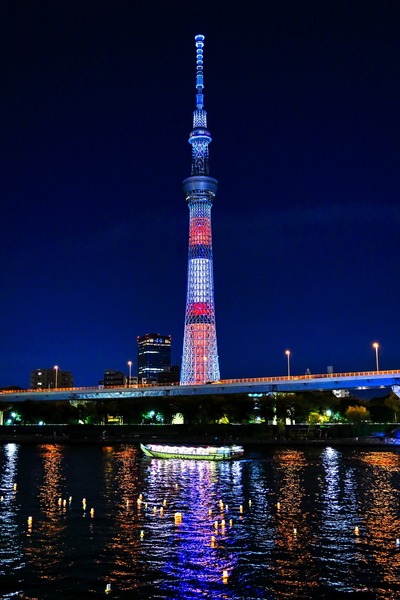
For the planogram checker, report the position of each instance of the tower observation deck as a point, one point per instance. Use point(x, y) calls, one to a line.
point(200, 355)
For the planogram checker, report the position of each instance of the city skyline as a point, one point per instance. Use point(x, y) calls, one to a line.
point(302, 104)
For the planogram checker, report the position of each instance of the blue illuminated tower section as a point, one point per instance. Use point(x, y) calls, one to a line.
point(200, 354)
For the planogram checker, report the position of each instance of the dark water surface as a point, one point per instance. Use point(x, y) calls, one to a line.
point(291, 523)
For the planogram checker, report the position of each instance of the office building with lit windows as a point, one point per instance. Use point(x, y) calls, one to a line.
point(154, 356)
point(46, 379)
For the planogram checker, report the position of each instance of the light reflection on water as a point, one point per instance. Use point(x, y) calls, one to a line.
point(291, 523)
point(10, 545)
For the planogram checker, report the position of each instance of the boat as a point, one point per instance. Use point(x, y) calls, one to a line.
point(192, 452)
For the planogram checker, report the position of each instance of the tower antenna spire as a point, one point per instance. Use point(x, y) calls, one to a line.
point(200, 356)
point(199, 39)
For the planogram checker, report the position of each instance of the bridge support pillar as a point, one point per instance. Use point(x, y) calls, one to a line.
point(396, 390)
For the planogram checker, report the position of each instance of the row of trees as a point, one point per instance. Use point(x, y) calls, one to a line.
point(309, 407)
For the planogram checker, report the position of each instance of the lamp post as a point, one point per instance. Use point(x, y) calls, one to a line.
point(130, 372)
point(56, 378)
point(287, 352)
point(376, 346)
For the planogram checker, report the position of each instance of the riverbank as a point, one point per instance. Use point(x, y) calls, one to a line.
point(252, 436)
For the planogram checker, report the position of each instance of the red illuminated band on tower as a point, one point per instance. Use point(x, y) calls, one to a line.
point(200, 355)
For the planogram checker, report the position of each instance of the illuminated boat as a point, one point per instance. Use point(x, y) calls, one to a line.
point(192, 452)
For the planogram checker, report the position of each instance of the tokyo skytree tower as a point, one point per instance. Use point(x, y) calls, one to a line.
point(200, 354)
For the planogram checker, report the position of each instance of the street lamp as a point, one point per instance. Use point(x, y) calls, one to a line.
point(376, 346)
point(287, 352)
point(130, 372)
point(56, 370)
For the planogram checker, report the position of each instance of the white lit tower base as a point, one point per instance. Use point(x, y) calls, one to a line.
point(200, 354)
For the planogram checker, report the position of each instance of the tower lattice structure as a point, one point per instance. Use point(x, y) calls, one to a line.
point(200, 355)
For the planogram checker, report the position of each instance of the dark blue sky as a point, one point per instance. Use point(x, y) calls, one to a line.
point(96, 106)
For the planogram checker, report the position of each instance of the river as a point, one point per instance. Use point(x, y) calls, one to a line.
point(81, 521)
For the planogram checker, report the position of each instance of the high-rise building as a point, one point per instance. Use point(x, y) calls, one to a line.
point(200, 355)
point(45, 379)
point(154, 356)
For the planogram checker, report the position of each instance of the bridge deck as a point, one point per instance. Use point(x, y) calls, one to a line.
point(262, 385)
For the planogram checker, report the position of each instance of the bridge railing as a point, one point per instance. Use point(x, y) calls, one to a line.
point(351, 374)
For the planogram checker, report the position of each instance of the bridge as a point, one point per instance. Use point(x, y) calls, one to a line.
point(263, 385)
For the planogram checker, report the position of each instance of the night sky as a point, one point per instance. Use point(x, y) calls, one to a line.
point(96, 106)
